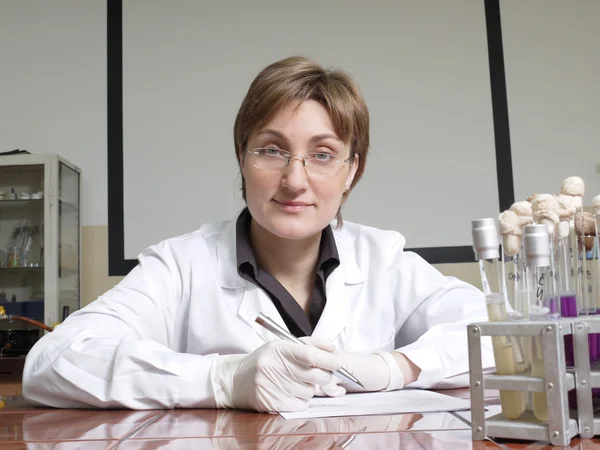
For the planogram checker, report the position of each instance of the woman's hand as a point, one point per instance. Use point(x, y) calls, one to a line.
point(377, 371)
point(279, 376)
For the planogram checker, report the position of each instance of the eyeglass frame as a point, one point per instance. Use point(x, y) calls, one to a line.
point(291, 156)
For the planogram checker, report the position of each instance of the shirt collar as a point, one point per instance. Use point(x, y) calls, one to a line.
point(327, 261)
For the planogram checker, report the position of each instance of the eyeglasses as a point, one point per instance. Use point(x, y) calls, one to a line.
point(319, 163)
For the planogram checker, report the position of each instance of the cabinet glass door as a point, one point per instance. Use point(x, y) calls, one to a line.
point(68, 241)
point(21, 254)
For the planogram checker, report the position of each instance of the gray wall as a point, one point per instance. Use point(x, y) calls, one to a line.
point(422, 65)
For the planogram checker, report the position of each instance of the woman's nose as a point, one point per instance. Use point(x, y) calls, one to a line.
point(295, 177)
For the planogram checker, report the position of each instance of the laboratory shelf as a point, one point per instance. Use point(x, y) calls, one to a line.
point(18, 204)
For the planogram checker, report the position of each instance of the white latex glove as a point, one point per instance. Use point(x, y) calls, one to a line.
point(279, 376)
point(332, 389)
point(377, 372)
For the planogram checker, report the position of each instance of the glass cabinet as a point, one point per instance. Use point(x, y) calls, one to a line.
point(40, 245)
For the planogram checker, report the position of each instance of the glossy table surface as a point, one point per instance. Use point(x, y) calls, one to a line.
point(23, 426)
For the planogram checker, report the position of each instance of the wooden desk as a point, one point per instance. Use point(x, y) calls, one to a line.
point(11, 372)
point(10, 385)
point(25, 427)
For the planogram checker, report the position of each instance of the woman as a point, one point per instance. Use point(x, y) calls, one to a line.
point(180, 329)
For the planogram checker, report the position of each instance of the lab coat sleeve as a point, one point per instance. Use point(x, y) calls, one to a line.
point(115, 352)
point(434, 336)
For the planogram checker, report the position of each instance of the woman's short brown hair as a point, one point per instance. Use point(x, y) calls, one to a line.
point(299, 79)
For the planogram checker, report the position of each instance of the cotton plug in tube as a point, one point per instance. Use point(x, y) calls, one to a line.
point(575, 187)
point(566, 211)
point(524, 211)
point(511, 231)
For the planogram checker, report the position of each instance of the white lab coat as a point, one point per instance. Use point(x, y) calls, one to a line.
point(151, 340)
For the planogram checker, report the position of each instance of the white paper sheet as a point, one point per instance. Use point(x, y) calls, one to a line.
point(395, 402)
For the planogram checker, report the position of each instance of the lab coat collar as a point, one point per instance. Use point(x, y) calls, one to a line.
point(352, 274)
point(338, 290)
point(227, 258)
point(253, 300)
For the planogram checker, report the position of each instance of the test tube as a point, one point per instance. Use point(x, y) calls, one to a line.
point(596, 270)
point(554, 300)
point(545, 209)
point(486, 247)
point(572, 190)
point(524, 213)
point(539, 399)
point(596, 262)
point(584, 226)
point(568, 299)
point(513, 283)
point(591, 257)
point(538, 261)
point(511, 232)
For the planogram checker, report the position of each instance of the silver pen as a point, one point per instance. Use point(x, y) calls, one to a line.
point(282, 333)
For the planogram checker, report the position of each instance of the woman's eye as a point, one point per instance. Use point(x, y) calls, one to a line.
point(322, 156)
point(271, 151)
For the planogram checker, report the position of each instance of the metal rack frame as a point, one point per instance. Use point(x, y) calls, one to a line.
point(557, 382)
point(588, 378)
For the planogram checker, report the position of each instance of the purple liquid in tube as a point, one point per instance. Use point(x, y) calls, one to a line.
point(593, 343)
point(597, 336)
point(568, 308)
point(596, 391)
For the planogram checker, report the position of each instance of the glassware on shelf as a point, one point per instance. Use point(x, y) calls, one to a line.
point(25, 246)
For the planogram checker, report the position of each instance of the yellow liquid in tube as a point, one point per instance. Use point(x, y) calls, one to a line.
point(512, 402)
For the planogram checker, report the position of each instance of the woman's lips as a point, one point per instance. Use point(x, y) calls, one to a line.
point(292, 206)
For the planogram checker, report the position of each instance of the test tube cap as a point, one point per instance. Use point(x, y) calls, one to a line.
point(485, 238)
point(536, 245)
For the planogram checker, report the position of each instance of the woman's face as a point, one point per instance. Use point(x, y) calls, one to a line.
point(293, 202)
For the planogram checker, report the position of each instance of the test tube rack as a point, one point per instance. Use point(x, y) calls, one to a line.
point(563, 424)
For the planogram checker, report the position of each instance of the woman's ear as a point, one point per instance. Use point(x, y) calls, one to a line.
point(351, 172)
